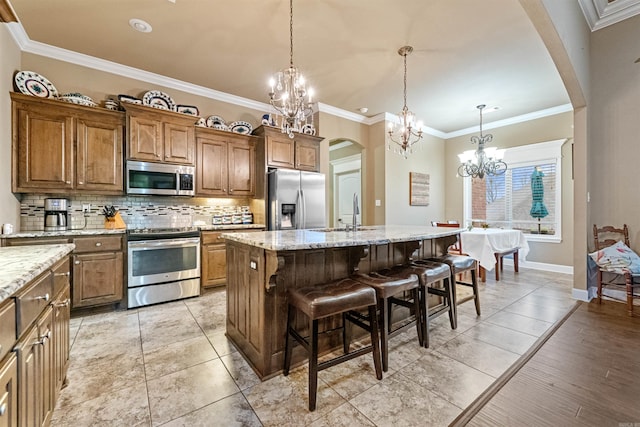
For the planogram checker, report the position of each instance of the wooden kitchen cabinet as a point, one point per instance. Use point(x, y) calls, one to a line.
point(226, 164)
point(301, 152)
point(214, 259)
point(65, 148)
point(160, 136)
point(98, 268)
point(9, 391)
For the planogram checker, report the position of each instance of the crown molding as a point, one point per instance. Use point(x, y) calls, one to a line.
point(600, 13)
point(512, 120)
point(27, 45)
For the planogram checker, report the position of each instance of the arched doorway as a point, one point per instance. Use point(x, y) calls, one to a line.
point(345, 180)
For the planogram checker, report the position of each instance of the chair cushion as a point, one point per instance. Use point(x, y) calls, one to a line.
point(332, 298)
point(432, 271)
point(617, 258)
point(458, 263)
point(389, 282)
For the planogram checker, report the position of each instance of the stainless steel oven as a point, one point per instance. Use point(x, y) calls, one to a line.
point(163, 265)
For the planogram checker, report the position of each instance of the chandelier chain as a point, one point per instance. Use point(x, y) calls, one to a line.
point(405, 81)
point(291, 33)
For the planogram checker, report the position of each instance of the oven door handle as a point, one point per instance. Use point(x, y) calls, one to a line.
point(164, 243)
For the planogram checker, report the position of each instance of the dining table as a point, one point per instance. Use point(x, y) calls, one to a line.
point(483, 244)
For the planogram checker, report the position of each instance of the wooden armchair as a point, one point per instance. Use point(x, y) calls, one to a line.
point(607, 236)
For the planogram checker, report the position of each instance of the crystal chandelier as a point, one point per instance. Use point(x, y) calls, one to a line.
point(405, 133)
point(483, 161)
point(288, 92)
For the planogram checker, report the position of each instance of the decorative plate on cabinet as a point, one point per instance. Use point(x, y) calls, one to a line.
point(216, 120)
point(188, 109)
point(157, 99)
point(241, 127)
point(130, 99)
point(31, 83)
point(308, 129)
point(78, 98)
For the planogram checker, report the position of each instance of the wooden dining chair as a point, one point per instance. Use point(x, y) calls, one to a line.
point(604, 237)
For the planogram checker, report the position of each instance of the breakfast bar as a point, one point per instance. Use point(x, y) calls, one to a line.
point(261, 266)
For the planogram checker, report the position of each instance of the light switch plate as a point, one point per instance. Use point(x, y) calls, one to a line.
point(378, 202)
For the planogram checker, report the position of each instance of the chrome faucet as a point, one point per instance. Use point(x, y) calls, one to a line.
point(356, 211)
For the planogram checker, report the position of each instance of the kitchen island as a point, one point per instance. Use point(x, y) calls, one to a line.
point(261, 266)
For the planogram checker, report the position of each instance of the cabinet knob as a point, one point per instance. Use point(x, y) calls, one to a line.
point(98, 244)
point(3, 409)
point(67, 182)
point(80, 182)
point(44, 338)
point(44, 297)
point(77, 262)
point(64, 303)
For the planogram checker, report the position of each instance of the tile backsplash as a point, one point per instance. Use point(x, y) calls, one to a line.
point(136, 211)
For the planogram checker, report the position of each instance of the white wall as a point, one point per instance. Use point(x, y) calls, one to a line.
point(9, 64)
point(427, 159)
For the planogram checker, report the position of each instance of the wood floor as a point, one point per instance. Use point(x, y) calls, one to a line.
point(586, 374)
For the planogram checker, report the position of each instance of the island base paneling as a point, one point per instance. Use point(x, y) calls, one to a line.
point(257, 283)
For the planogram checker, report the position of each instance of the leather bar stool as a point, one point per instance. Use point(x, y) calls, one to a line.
point(389, 285)
point(431, 273)
point(460, 264)
point(317, 302)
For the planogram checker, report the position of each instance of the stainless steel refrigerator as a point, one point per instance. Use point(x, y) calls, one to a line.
point(296, 200)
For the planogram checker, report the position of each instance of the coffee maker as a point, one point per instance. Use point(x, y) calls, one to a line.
point(55, 214)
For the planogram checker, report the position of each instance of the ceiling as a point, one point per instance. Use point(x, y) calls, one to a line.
point(466, 52)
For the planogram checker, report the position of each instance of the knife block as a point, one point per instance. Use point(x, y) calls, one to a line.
point(115, 222)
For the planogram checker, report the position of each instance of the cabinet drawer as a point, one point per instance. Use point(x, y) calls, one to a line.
point(7, 327)
point(97, 244)
point(213, 237)
point(33, 299)
point(61, 274)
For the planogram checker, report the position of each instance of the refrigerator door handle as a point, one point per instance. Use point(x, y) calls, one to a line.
point(304, 209)
point(299, 210)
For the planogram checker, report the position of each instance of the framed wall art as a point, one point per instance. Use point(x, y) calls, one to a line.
point(418, 189)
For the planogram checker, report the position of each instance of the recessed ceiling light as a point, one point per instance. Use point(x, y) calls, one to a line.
point(140, 25)
point(363, 109)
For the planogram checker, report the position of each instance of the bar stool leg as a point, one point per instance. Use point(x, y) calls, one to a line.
point(288, 347)
point(384, 332)
point(375, 341)
point(452, 303)
point(313, 366)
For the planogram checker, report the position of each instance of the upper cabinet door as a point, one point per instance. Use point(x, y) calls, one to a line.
point(307, 155)
point(145, 139)
point(211, 171)
point(242, 168)
point(280, 151)
point(42, 148)
point(99, 155)
point(179, 144)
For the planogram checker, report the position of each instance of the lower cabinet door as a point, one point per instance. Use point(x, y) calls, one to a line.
point(214, 265)
point(60, 339)
point(9, 392)
point(46, 339)
point(97, 278)
point(30, 378)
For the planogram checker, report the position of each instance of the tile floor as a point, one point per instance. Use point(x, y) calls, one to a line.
point(172, 365)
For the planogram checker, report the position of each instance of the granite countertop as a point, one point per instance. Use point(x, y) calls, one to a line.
point(40, 233)
point(230, 227)
point(102, 231)
point(329, 238)
point(21, 264)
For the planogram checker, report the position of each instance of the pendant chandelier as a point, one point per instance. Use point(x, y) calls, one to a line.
point(484, 160)
point(289, 95)
point(407, 132)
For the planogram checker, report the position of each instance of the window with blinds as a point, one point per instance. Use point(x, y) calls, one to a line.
point(527, 197)
point(507, 200)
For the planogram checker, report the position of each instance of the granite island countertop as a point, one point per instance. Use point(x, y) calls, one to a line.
point(21, 264)
point(286, 240)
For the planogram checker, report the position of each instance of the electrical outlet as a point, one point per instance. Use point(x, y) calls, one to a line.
point(86, 207)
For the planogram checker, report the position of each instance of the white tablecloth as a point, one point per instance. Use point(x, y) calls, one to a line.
point(482, 243)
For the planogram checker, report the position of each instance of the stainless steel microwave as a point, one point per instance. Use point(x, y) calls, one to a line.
point(160, 179)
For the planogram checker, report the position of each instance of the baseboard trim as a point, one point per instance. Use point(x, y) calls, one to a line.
point(580, 294)
point(556, 268)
